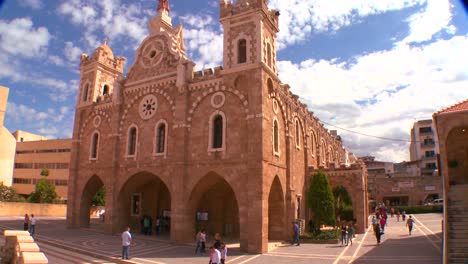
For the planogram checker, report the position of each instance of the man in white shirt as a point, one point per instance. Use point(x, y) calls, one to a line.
point(32, 226)
point(126, 241)
point(216, 256)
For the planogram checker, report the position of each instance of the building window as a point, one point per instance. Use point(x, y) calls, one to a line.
point(312, 143)
point(85, 93)
point(297, 135)
point(132, 141)
point(94, 146)
point(161, 137)
point(242, 51)
point(217, 132)
point(424, 130)
point(269, 55)
point(136, 204)
point(105, 90)
point(275, 137)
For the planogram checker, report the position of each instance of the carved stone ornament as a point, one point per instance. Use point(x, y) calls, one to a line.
point(153, 53)
point(218, 99)
point(148, 107)
point(275, 106)
point(97, 121)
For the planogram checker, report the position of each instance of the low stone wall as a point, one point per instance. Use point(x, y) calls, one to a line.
point(19, 209)
point(53, 210)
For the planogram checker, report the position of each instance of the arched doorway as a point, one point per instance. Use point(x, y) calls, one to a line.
point(145, 195)
point(92, 187)
point(213, 206)
point(276, 221)
point(457, 155)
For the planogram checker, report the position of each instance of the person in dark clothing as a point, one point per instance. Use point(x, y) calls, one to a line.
point(296, 234)
point(377, 233)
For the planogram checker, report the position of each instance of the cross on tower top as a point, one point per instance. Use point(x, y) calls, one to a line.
point(163, 5)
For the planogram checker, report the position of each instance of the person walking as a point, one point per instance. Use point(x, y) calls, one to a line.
point(215, 256)
point(296, 234)
point(203, 241)
point(32, 226)
point(392, 212)
point(377, 233)
point(158, 222)
point(383, 222)
point(350, 234)
point(223, 252)
point(398, 216)
point(409, 224)
point(403, 215)
point(126, 241)
point(26, 222)
point(344, 230)
point(198, 241)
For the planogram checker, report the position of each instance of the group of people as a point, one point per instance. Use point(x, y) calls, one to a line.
point(161, 224)
point(30, 224)
point(379, 220)
point(218, 252)
point(347, 234)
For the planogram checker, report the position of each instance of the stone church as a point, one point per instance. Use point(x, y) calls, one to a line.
point(228, 149)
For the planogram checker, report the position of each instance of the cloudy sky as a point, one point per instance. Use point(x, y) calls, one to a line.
point(369, 66)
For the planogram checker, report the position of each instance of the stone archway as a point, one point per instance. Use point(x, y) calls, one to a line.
point(213, 206)
point(90, 189)
point(144, 194)
point(276, 221)
point(457, 155)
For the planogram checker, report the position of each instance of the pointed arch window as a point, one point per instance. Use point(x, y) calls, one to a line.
point(269, 55)
point(161, 138)
point(85, 93)
point(275, 137)
point(105, 90)
point(242, 51)
point(217, 126)
point(313, 147)
point(132, 141)
point(297, 134)
point(94, 146)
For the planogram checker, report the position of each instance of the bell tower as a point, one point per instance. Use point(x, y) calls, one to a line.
point(250, 30)
point(98, 76)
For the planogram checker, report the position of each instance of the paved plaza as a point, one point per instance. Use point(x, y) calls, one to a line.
point(62, 245)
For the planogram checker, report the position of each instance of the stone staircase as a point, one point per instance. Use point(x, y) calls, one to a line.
point(458, 224)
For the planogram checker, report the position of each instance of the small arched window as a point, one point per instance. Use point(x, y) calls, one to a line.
point(85, 93)
point(297, 134)
point(269, 55)
point(94, 146)
point(242, 51)
point(132, 141)
point(313, 141)
point(275, 136)
point(217, 132)
point(161, 138)
point(105, 90)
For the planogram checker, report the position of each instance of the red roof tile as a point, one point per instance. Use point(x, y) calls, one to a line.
point(462, 106)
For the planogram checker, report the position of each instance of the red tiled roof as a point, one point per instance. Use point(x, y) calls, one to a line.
point(462, 106)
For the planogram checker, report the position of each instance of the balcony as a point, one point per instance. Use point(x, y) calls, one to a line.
point(426, 132)
point(428, 144)
point(428, 157)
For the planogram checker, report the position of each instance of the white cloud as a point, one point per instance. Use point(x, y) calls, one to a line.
point(71, 52)
point(382, 93)
point(435, 17)
point(205, 46)
point(300, 18)
point(34, 4)
point(19, 37)
point(56, 60)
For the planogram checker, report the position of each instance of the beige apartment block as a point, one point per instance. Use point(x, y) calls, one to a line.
point(452, 131)
point(7, 143)
point(33, 156)
point(228, 149)
point(424, 146)
point(23, 136)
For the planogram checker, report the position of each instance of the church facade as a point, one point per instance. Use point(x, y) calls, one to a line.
point(227, 149)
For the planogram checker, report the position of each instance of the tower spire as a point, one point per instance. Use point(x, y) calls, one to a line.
point(163, 5)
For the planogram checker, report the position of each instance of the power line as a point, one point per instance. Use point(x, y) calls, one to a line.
point(373, 136)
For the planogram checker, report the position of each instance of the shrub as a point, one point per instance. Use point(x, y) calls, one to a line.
point(420, 209)
point(323, 235)
point(320, 199)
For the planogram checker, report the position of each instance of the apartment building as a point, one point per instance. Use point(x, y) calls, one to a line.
point(7, 143)
point(424, 146)
point(34, 155)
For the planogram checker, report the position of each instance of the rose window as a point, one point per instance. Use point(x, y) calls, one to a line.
point(148, 106)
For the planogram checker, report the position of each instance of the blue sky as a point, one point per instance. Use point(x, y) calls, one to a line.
point(370, 66)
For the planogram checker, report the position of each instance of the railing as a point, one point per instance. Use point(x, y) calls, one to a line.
point(426, 133)
point(424, 157)
point(427, 144)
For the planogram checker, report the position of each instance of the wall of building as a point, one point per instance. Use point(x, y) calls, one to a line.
point(19, 209)
point(23, 136)
point(32, 156)
point(7, 143)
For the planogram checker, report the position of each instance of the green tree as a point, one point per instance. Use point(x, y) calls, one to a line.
point(8, 194)
point(45, 172)
point(99, 198)
point(343, 203)
point(44, 193)
point(320, 200)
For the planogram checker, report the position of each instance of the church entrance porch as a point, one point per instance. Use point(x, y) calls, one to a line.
point(213, 206)
point(144, 204)
point(92, 187)
point(276, 215)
